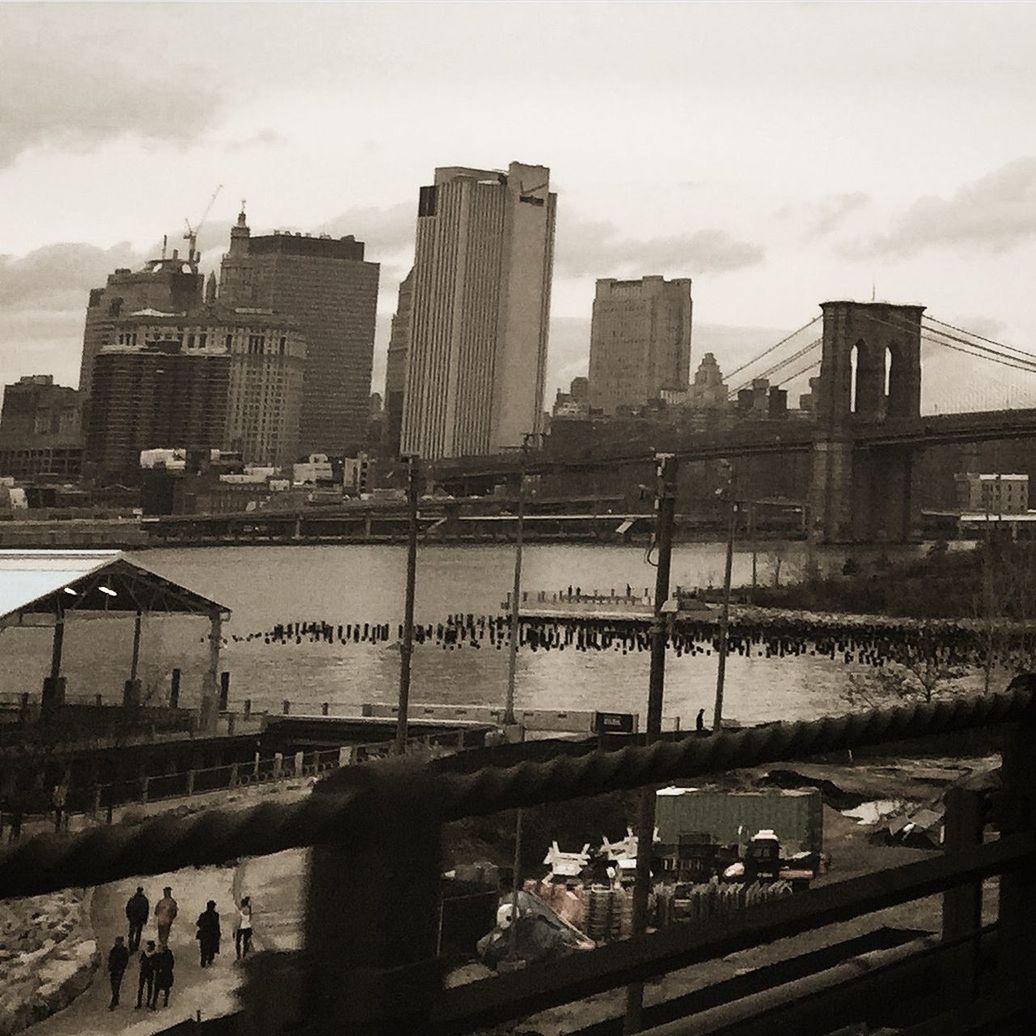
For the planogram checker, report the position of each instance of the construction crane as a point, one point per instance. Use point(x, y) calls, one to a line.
point(191, 234)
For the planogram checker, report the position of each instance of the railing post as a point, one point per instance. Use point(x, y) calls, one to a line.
point(190, 782)
point(233, 775)
point(248, 708)
point(144, 788)
point(1016, 959)
point(379, 974)
point(962, 906)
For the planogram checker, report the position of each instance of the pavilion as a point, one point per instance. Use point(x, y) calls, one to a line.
point(51, 587)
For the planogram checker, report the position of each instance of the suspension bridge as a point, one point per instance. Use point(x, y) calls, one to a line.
point(865, 429)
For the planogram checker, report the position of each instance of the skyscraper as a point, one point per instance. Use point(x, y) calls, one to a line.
point(167, 285)
point(481, 301)
point(327, 286)
point(640, 341)
point(395, 368)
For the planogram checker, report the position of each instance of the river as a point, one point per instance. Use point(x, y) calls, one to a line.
point(342, 584)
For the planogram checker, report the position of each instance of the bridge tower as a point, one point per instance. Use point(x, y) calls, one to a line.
point(870, 375)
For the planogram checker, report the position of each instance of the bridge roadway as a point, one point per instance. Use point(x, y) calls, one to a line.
point(794, 437)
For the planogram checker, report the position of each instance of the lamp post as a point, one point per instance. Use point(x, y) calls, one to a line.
point(724, 619)
point(406, 648)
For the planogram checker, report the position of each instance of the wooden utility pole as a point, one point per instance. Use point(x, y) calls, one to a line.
point(516, 589)
point(665, 506)
point(724, 618)
point(406, 648)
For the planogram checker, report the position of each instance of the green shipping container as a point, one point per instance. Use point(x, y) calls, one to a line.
point(797, 816)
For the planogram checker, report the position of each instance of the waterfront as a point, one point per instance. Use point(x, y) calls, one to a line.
point(268, 585)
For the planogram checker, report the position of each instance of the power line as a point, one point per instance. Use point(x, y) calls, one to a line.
point(766, 352)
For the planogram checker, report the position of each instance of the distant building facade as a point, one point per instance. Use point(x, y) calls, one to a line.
point(395, 368)
point(167, 285)
point(573, 403)
point(992, 494)
point(708, 391)
point(477, 356)
point(40, 429)
point(326, 285)
point(640, 341)
point(157, 392)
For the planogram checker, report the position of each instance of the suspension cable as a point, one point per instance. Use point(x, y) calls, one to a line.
point(974, 334)
point(766, 352)
point(777, 366)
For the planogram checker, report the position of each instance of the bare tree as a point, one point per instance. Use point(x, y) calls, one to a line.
point(901, 683)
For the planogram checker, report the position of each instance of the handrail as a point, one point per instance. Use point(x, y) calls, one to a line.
point(46, 863)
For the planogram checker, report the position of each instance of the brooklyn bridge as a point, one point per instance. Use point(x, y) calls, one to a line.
point(859, 460)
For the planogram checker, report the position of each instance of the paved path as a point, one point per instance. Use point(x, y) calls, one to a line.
point(210, 990)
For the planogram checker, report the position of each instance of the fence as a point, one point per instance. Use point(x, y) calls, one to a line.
point(377, 974)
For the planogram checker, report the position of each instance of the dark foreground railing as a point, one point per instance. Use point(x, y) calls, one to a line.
point(369, 963)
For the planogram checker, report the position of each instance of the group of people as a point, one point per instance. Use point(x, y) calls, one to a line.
point(156, 961)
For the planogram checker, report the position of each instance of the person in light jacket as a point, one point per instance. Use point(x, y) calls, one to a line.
point(165, 915)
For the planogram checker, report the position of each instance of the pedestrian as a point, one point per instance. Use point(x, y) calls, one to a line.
point(165, 915)
point(243, 935)
point(58, 798)
point(137, 910)
point(118, 961)
point(699, 723)
point(629, 591)
point(146, 980)
point(163, 975)
point(208, 933)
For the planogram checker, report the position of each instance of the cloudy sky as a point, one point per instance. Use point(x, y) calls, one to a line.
point(779, 154)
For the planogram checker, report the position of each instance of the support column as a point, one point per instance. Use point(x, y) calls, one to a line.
point(54, 685)
point(131, 689)
point(831, 492)
point(209, 700)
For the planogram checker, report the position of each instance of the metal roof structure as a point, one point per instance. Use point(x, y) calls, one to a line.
point(52, 582)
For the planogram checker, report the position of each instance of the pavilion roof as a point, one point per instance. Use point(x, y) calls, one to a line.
point(43, 582)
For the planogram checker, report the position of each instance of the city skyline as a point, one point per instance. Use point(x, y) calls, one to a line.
point(734, 167)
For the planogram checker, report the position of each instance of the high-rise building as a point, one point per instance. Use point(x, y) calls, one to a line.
point(395, 368)
point(167, 285)
point(40, 429)
point(326, 285)
point(640, 341)
point(708, 391)
point(157, 392)
point(477, 355)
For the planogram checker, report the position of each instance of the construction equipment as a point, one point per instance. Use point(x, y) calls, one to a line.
point(191, 234)
point(762, 861)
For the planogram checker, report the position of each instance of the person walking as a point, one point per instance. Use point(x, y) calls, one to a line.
point(208, 933)
point(137, 910)
point(58, 798)
point(699, 723)
point(243, 935)
point(165, 915)
point(146, 980)
point(163, 975)
point(118, 962)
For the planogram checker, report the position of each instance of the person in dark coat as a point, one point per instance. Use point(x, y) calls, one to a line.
point(208, 933)
point(118, 962)
point(699, 723)
point(146, 981)
point(137, 910)
point(163, 975)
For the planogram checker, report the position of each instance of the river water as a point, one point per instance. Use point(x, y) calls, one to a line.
point(267, 585)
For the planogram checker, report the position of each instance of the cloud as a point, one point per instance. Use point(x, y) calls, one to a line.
point(598, 248)
point(993, 214)
point(832, 211)
point(59, 276)
point(386, 231)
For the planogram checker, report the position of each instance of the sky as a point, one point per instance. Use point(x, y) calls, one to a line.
point(778, 154)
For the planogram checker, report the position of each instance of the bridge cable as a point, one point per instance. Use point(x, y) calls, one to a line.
point(973, 334)
point(777, 366)
point(766, 352)
point(1028, 357)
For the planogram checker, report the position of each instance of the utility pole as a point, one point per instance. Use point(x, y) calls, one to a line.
point(724, 619)
point(406, 649)
point(665, 507)
point(516, 588)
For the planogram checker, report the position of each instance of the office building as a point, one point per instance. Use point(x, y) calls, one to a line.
point(167, 285)
point(640, 341)
point(481, 302)
point(328, 287)
point(40, 429)
point(993, 494)
point(154, 392)
point(395, 368)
